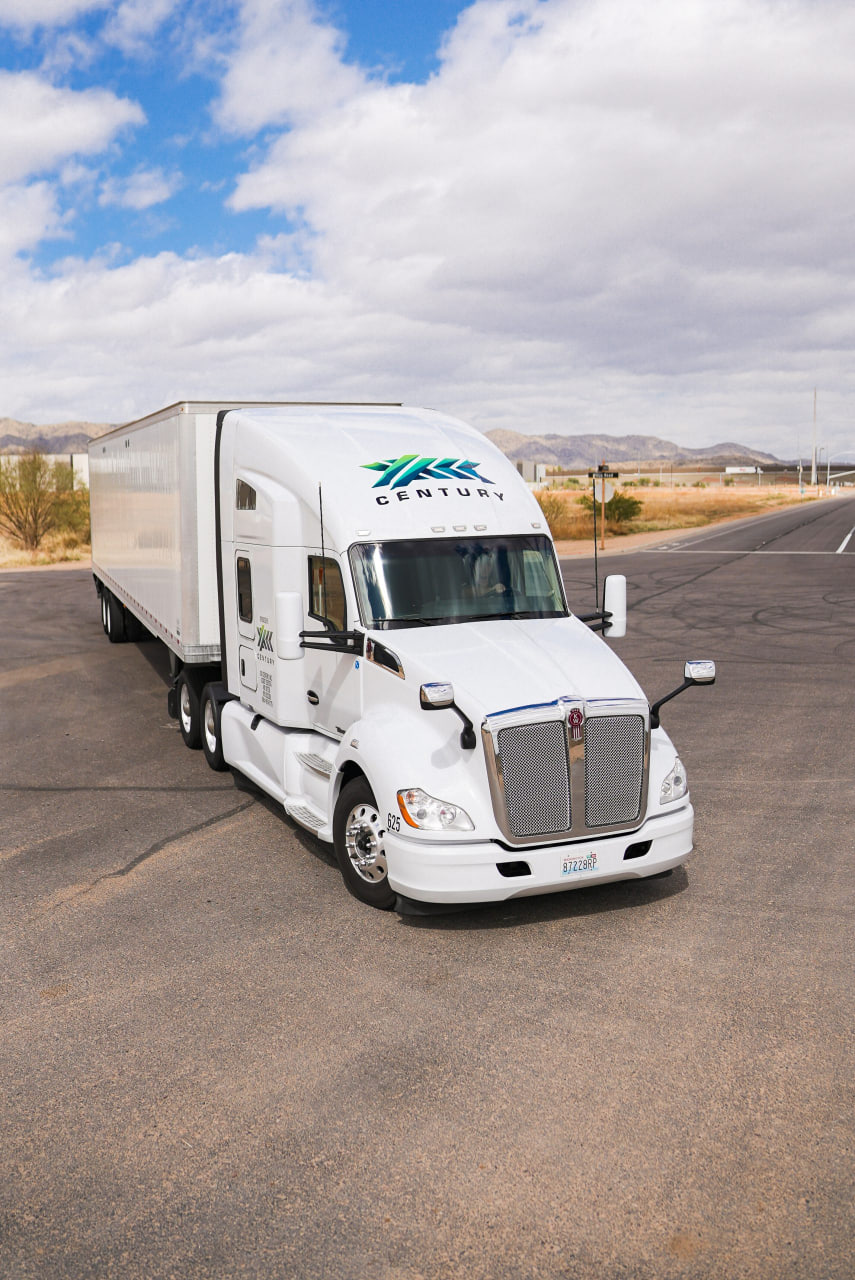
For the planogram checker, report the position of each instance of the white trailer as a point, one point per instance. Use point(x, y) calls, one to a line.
point(324, 576)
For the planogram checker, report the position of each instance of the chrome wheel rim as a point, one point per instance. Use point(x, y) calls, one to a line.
point(210, 725)
point(184, 708)
point(363, 840)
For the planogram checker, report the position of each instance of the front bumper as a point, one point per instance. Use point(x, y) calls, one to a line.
point(470, 872)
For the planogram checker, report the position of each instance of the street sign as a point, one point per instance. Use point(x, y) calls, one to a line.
point(599, 485)
point(603, 475)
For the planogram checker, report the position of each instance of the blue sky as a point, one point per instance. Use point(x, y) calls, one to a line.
point(543, 215)
point(394, 42)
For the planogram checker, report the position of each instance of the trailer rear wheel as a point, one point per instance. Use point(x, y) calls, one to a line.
point(113, 618)
point(212, 741)
point(358, 838)
point(188, 713)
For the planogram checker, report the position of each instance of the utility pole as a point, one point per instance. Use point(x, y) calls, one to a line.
point(813, 457)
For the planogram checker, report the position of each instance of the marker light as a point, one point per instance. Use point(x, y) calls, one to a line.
point(426, 813)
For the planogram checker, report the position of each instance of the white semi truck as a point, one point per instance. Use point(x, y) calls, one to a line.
point(366, 618)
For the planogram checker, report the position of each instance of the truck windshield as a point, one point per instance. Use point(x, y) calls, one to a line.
point(430, 582)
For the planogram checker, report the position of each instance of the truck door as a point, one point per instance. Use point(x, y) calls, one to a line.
point(247, 666)
point(333, 680)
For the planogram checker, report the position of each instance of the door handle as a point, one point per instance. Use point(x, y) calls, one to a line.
point(313, 697)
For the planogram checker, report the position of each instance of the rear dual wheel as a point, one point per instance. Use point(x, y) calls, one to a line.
point(211, 722)
point(189, 720)
point(113, 618)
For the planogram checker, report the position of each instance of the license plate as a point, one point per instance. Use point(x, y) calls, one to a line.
point(572, 865)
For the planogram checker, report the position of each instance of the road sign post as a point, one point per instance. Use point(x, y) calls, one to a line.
point(603, 493)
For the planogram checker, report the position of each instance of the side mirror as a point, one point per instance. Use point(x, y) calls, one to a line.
point(697, 671)
point(614, 603)
point(439, 696)
point(288, 609)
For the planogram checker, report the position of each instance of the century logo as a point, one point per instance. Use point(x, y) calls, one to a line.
point(399, 472)
point(265, 639)
point(396, 474)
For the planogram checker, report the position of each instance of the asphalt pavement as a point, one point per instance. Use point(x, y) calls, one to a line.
point(216, 1063)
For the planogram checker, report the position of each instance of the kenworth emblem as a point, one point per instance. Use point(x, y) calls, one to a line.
point(399, 472)
point(575, 720)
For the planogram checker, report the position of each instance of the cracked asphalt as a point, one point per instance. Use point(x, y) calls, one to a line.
point(215, 1063)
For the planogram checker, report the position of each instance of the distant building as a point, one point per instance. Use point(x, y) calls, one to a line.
point(532, 472)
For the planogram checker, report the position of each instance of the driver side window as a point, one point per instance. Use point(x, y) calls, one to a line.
point(326, 593)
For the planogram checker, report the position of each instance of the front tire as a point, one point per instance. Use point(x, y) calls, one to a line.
point(211, 729)
point(359, 842)
point(188, 713)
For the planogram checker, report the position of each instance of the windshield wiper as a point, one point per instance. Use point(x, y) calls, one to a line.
point(412, 619)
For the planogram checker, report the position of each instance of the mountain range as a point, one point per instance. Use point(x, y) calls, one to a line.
point(60, 437)
point(572, 452)
point(581, 452)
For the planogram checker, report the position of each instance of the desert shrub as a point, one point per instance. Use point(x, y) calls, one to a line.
point(699, 484)
point(556, 512)
point(621, 509)
point(36, 498)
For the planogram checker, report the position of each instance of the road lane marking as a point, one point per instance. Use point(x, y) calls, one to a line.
point(844, 543)
point(687, 551)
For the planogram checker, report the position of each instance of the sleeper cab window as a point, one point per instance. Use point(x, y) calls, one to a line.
point(245, 496)
point(244, 589)
point(326, 593)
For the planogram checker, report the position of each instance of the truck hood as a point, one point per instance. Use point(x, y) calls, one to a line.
point(500, 664)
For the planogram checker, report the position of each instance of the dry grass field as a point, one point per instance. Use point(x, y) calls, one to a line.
point(57, 548)
point(665, 508)
point(662, 509)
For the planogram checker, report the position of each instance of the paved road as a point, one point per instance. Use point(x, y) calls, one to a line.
point(216, 1063)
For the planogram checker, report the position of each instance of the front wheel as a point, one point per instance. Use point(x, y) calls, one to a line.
point(359, 841)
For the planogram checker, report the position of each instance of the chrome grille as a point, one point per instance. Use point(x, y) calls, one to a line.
point(549, 781)
point(537, 781)
point(614, 769)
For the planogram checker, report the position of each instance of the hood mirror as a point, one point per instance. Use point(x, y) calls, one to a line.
point(696, 671)
point(438, 696)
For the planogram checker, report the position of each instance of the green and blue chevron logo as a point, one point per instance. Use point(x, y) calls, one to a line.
point(399, 472)
point(265, 638)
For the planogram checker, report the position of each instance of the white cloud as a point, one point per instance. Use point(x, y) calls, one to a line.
point(653, 192)
point(32, 13)
point(144, 188)
point(134, 23)
point(28, 215)
point(596, 215)
point(41, 125)
point(287, 67)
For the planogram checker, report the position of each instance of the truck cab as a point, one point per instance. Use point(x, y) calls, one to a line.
point(401, 671)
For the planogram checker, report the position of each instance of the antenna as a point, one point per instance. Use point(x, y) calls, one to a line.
point(323, 583)
point(596, 576)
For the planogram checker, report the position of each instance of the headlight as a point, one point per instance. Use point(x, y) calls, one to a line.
point(426, 813)
point(675, 785)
